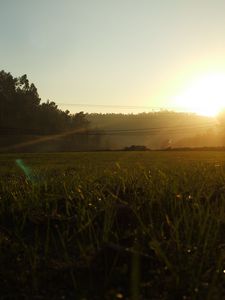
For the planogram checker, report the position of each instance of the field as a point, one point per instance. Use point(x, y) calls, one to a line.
point(112, 225)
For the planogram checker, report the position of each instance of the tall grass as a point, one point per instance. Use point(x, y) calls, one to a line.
point(122, 230)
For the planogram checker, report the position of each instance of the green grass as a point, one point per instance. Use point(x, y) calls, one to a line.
point(113, 225)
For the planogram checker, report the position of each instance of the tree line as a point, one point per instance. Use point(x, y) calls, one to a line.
point(21, 110)
point(23, 116)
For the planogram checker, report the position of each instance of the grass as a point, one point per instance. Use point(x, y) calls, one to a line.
point(113, 225)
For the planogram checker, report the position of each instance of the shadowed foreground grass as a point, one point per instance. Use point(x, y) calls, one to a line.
point(113, 226)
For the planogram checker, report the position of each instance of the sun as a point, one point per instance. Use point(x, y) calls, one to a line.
point(205, 94)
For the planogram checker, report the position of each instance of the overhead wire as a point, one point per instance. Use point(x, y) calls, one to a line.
point(172, 109)
point(148, 131)
point(100, 132)
point(105, 131)
point(112, 106)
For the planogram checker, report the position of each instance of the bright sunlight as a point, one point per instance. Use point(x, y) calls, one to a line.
point(204, 95)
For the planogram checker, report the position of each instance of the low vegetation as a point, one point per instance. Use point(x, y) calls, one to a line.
point(112, 225)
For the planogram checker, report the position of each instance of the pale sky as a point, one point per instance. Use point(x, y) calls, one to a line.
point(115, 52)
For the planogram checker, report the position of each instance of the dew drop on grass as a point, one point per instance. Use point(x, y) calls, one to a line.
point(217, 165)
point(119, 296)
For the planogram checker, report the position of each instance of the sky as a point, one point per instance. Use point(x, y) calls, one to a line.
point(120, 55)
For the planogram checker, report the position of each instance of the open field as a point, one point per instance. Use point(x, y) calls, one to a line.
point(112, 225)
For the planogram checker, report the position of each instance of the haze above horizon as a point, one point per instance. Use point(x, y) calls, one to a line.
point(109, 54)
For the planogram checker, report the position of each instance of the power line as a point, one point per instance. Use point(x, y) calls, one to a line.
point(118, 106)
point(106, 105)
point(102, 131)
point(145, 133)
point(162, 127)
point(84, 132)
point(132, 129)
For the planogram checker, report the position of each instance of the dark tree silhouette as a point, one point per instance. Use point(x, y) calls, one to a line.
point(22, 113)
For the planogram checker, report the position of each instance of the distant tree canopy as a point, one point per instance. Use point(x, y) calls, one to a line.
point(23, 115)
point(155, 130)
point(21, 110)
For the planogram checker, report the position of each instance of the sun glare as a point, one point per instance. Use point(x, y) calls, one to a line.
point(204, 95)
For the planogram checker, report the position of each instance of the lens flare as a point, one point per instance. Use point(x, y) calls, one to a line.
point(27, 170)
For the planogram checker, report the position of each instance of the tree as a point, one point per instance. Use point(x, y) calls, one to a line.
point(21, 109)
point(7, 96)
